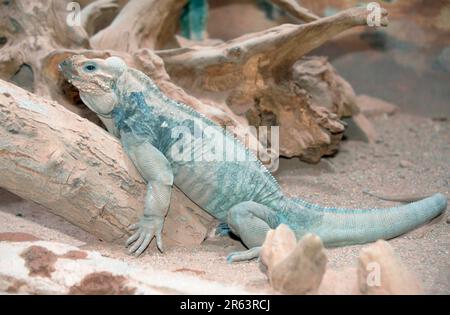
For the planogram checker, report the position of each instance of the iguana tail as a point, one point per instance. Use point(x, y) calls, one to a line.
point(339, 226)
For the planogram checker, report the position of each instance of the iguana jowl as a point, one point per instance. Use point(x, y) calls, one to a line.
point(239, 192)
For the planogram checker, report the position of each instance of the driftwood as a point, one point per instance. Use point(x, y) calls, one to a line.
point(31, 30)
point(94, 14)
point(141, 24)
point(258, 79)
point(296, 10)
point(78, 171)
point(155, 25)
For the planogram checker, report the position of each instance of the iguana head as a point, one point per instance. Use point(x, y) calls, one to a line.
point(95, 79)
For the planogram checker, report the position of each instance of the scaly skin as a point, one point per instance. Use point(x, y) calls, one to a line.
point(239, 192)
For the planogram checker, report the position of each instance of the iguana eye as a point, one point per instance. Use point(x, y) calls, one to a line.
point(90, 67)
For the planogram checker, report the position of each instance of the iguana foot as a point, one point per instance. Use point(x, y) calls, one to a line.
point(147, 228)
point(223, 229)
point(250, 254)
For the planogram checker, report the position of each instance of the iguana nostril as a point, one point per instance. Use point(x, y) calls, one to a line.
point(64, 65)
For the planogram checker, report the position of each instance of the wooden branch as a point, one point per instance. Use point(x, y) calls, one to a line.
point(280, 46)
point(78, 171)
point(94, 11)
point(262, 77)
point(233, 83)
point(296, 10)
point(140, 24)
point(31, 30)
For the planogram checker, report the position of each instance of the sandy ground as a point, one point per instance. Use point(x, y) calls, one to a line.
point(411, 156)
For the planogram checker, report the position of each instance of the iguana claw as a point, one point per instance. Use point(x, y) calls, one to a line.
point(147, 228)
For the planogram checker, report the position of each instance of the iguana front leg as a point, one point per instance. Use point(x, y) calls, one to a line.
point(156, 170)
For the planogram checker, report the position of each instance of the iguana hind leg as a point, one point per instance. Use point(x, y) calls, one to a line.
point(250, 221)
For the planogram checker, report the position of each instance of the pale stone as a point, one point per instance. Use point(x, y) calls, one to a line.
point(381, 272)
point(302, 270)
